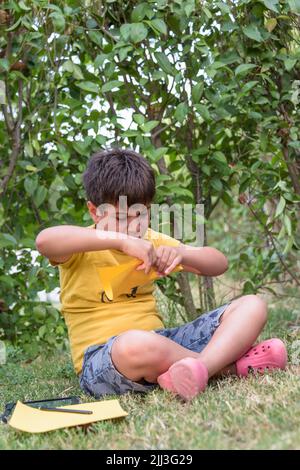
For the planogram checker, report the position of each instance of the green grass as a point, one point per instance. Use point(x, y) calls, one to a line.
point(254, 413)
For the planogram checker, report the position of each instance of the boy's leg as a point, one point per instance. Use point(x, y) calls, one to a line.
point(240, 325)
point(145, 355)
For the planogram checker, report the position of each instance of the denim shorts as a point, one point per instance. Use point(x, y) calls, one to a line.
point(100, 377)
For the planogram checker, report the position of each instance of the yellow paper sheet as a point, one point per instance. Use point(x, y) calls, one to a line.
point(120, 279)
point(29, 419)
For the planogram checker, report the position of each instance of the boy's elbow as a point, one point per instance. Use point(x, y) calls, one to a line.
point(41, 242)
point(220, 266)
point(224, 265)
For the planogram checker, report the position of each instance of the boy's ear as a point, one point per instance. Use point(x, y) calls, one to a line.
point(93, 211)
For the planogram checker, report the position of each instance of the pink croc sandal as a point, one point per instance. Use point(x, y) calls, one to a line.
point(267, 355)
point(186, 377)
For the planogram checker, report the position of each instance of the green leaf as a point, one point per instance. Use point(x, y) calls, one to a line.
point(111, 85)
point(15, 25)
point(138, 118)
point(270, 24)
point(200, 151)
point(294, 5)
point(77, 74)
point(80, 147)
point(220, 157)
point(248, 288)
point(164, 63)
point(100, 59)
point(248, 86)
point(31, 168)
point(295, 144)
point(207, 13)
point(159, 25)
point(255, 115)
point(203, 111)
point(4, 65)
point(30, 185)
point(40, 195)
point(160, 179)
point(131, 133)
point(88, 86)
point(125, 31)
point(280, 207)
point(68, 66)
point(244, 68)
point(42, 331)
point(96, 37)
point(288, 246)
point(197, 91)
point(227, 198)
point(181, 112)
point(7, 240)
point(288, 224)
point(216, 184)
point(148, 126)
point(74, 69)
point(157, 154)
point(58, 21)
point(253, 32)
point(28, 243)
point(24, 7)
point(39, 312)
point(100, 139)
point(271, 5)
point(180, 191)
point(189, 8)
point(289, 64)
point(123, 53)
point(223, 7)
point(138, 32)
point(53, 312)
point(139, 12)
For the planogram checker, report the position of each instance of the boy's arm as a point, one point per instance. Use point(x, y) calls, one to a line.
point(59, 243)
point(199, 260)
point(204, 260)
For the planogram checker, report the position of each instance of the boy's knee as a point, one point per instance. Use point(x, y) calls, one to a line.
point(259, 307)
point(136, 348)
point(252, 305)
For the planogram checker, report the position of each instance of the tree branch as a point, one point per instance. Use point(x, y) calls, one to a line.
point(271, 238)
point(15, 135)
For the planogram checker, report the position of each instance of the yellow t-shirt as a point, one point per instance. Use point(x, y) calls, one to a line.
point(91, 317)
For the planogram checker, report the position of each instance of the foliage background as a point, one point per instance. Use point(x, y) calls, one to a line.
point(208, 91)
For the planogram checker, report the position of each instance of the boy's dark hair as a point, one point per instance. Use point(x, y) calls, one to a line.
point(119, 172)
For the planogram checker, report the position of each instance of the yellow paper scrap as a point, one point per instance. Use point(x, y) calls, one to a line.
point(120, 279)
point(29, 419)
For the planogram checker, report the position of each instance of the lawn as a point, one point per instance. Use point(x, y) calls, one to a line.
point(254, 413)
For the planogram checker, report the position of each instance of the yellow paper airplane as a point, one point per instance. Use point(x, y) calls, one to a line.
point(120, 279)
point(29, 419)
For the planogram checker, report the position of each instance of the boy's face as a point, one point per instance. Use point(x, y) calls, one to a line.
point(133, 220)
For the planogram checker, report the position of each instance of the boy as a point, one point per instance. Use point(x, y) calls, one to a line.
point(122, 345)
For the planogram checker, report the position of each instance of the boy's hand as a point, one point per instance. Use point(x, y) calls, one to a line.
point(167, 258)
point(141, 249)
